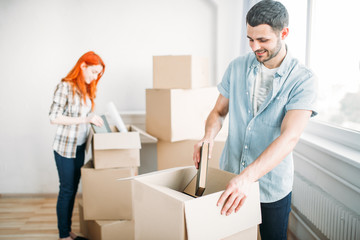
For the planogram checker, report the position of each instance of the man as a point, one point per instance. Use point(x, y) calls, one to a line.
point(269, 97)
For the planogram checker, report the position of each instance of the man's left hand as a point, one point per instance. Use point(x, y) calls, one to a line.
point(234, 195)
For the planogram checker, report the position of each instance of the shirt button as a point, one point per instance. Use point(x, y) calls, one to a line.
point(248, 111)
point(247, 93)
point(249, 128)
point(243, 163)
point(246, 146)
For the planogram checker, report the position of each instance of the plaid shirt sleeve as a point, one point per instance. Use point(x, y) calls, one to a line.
point(60, 100)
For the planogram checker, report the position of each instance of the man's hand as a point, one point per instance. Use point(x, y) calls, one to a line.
point(234, 195)
point(197, 146)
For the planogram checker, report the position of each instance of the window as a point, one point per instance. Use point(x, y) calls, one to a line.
point(333, 54)
point(335, 58)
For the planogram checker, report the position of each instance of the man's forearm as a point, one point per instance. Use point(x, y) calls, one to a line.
point(213, 125)
point(216, 117)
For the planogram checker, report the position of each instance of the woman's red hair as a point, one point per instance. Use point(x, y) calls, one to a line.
point(77, 81)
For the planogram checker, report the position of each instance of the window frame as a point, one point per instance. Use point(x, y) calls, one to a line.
point(345, 137)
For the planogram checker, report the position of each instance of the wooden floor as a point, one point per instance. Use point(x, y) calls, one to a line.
point(31, 218)
point(34, 218)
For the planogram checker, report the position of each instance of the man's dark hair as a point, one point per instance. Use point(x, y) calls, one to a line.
point(268, 12)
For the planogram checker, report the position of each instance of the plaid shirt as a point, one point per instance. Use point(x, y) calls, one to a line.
point(65, 103)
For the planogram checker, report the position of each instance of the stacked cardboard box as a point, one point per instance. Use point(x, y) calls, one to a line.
point(176, 112)
point(177, 108)
point(106, 209)
point(179, 103)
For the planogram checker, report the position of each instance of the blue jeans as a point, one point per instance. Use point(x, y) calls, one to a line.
point(69, 177)
point(275, 218)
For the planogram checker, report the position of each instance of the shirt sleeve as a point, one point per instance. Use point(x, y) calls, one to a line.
point(224, 85)
point(304, 95)
point(60, 100)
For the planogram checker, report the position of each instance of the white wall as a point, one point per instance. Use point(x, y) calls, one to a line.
point(41, 40)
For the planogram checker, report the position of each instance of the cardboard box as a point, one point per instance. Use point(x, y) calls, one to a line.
point(83, 223)
point(177, 114)
point(105, 198)
point(180, 154)
point(111, 230)
point(116, 149)
point(185, 72)
point(162, 211)
point(248, 234)
point(105, 229)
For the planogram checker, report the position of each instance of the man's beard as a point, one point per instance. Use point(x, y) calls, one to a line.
point(273, 53)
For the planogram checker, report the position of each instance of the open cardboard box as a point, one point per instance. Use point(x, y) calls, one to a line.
point(162, 211)
point(117, 149)
point(181, 71)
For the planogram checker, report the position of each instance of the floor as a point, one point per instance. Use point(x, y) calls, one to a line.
point(34, 218)
point(31, 218)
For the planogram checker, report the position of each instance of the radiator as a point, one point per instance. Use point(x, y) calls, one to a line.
point(329, 216)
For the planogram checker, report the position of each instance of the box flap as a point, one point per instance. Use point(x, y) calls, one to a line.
point(117, 140)
point(152, 175)
point(157, 215)
point(173, 178)
point(144, 136)
point(204, 221)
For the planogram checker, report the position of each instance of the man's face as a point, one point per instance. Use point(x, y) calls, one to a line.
point(265, 42)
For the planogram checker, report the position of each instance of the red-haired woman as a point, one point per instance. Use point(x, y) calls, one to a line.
point(72, 102)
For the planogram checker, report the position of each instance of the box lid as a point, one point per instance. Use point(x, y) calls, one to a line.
point(144, 136)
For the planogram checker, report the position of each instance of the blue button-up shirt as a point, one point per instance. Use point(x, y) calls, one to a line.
point(294, 87)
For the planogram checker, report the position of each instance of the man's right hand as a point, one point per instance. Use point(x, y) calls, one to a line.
point(197, 146)
point(212, 127)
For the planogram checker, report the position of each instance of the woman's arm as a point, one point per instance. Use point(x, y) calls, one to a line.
point(65, 120)
point(60, 100)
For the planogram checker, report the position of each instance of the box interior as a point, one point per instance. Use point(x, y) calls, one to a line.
point(176, 181)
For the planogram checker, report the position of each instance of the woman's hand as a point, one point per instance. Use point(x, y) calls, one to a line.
point(95, 119)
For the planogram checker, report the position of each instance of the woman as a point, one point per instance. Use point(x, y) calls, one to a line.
point(72, 102)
